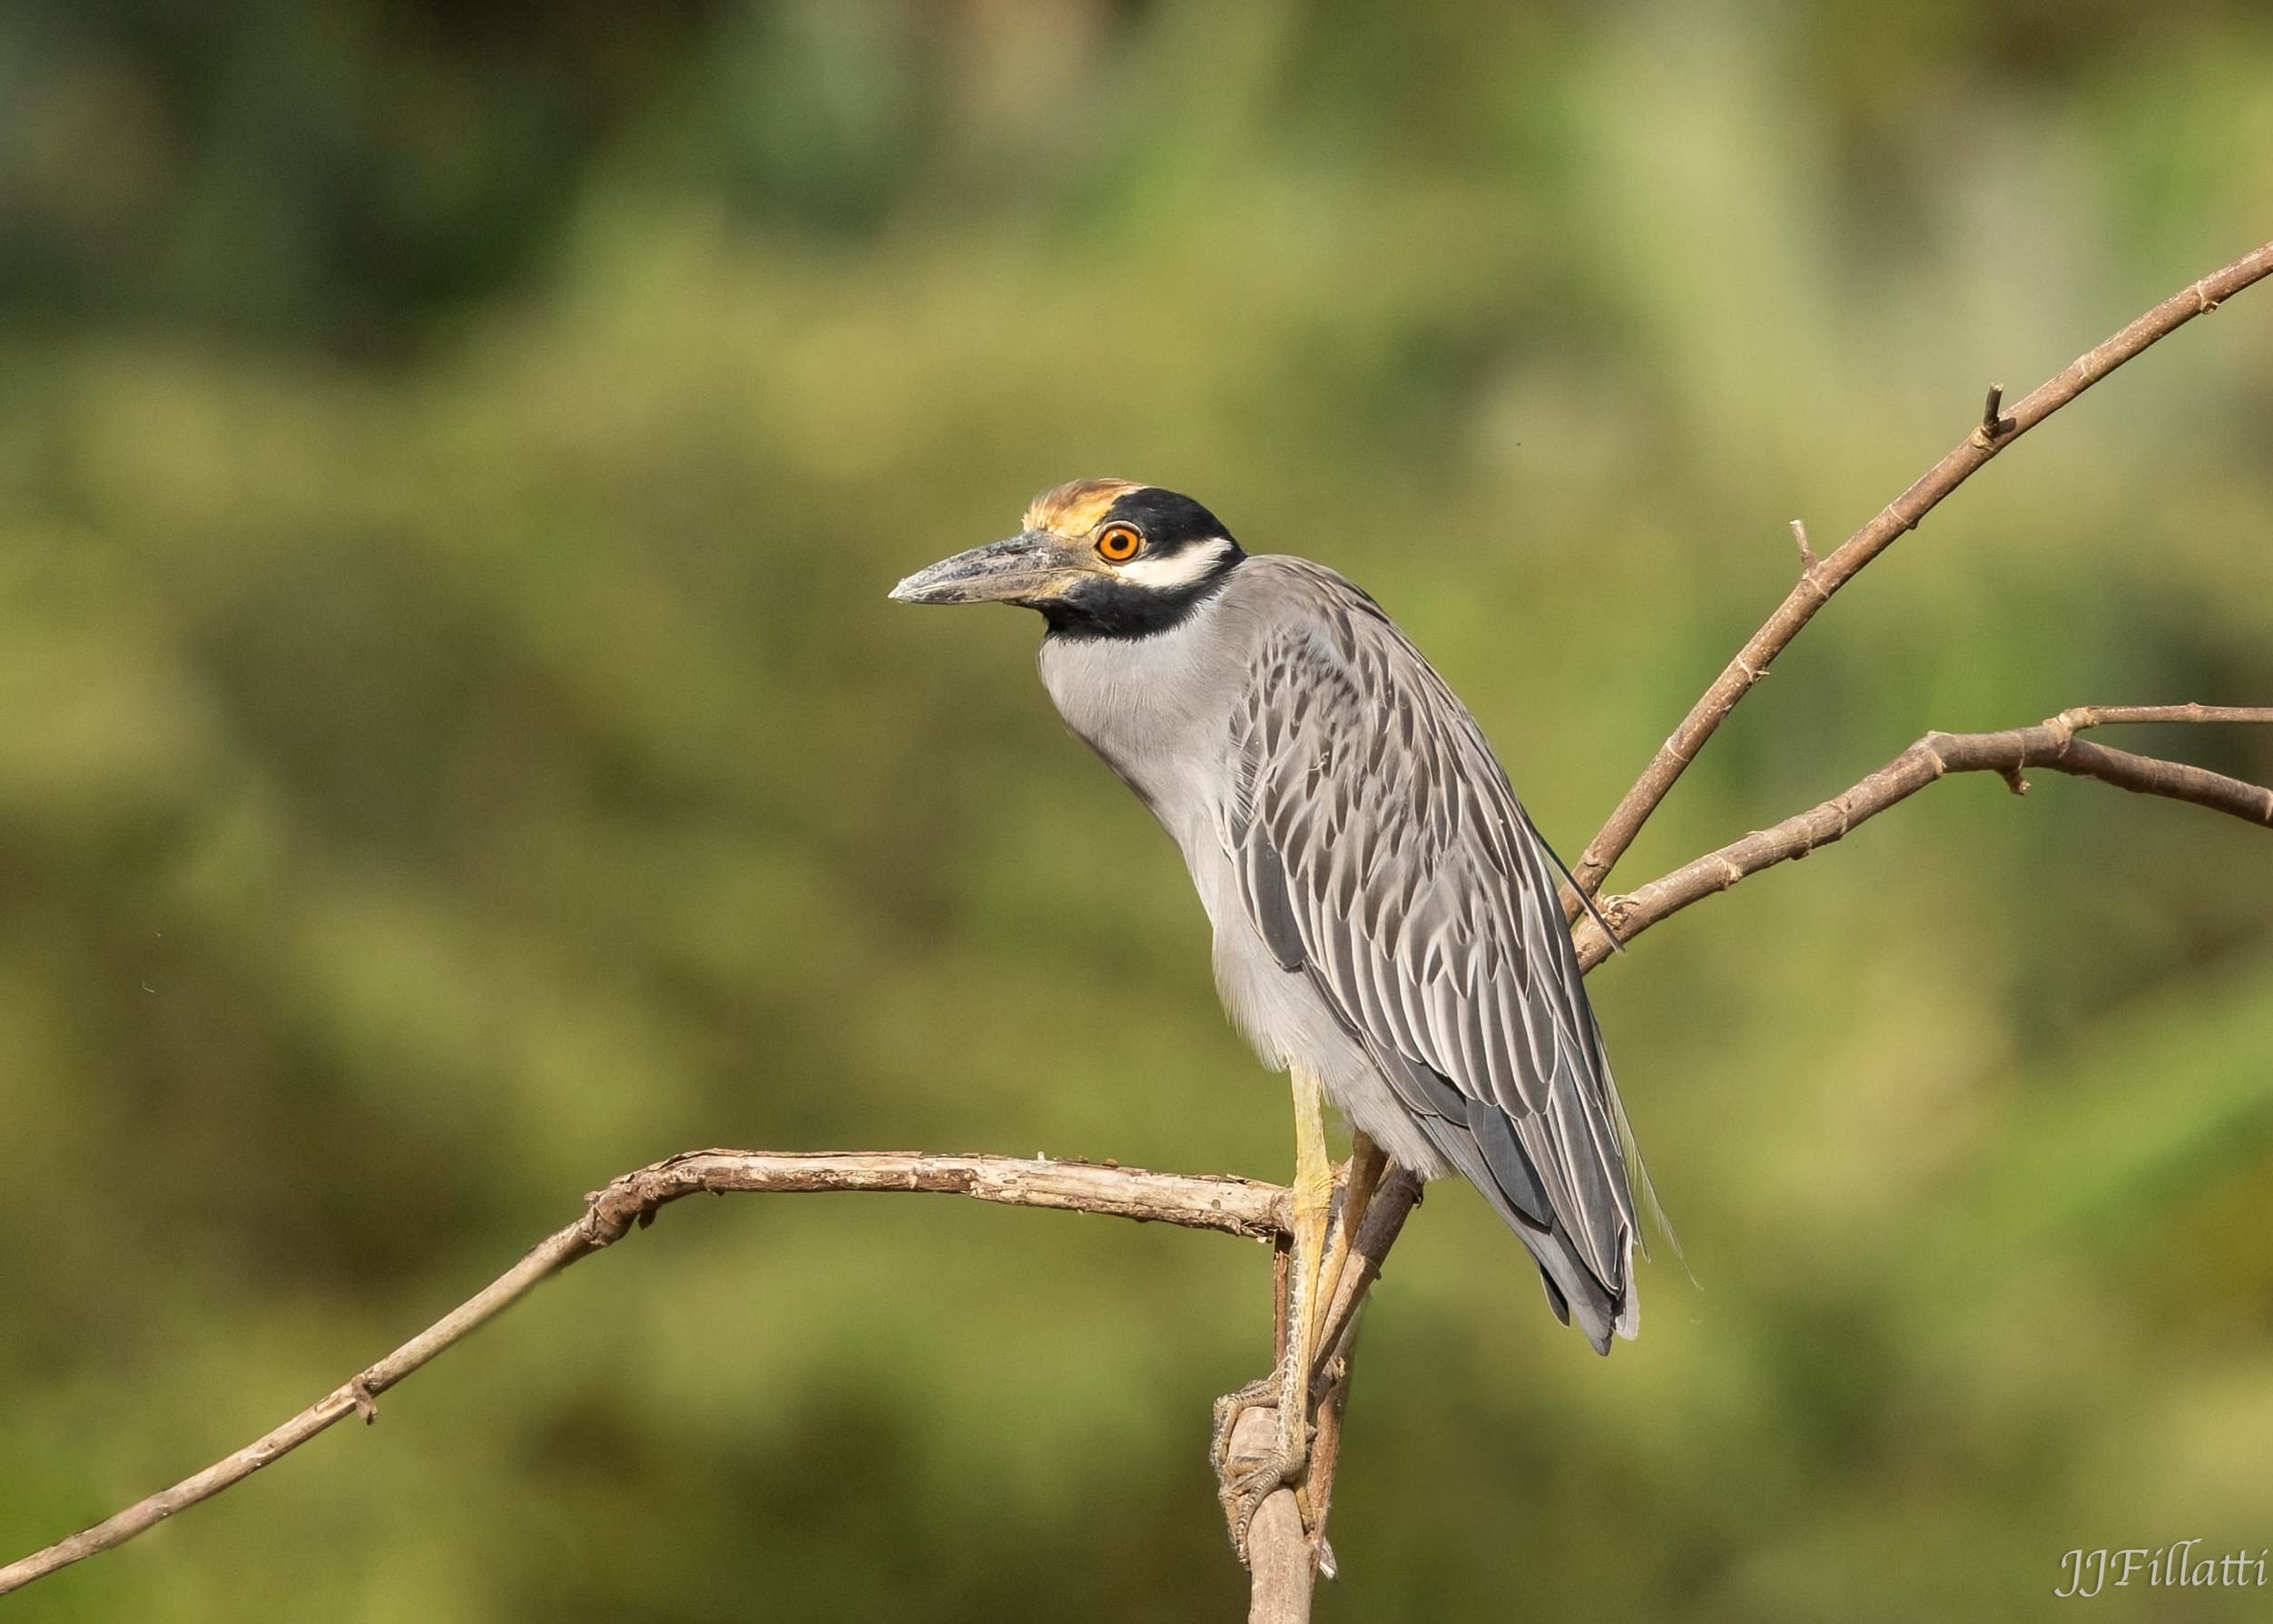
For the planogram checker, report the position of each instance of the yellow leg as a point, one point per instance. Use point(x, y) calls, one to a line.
point(1314, 1203)
point(1247, 1478)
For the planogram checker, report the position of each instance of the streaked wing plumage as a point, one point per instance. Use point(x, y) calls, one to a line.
point(1382, 852)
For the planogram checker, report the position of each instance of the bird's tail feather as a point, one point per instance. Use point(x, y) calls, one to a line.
point(1573, 1291)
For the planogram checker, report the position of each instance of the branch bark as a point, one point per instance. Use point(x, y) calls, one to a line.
point(1232, 1206)
point(1823, 576)
point(2051, 743)
point(1281, 1568)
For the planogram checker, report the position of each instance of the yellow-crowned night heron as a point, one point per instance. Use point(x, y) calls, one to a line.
point(1385, 917)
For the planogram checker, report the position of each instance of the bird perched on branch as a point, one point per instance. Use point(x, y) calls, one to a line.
point(1386, 927)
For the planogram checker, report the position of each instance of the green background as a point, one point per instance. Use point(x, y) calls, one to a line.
point(454, 747)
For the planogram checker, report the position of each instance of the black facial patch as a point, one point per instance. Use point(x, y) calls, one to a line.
point(1104, 605)
point(1169, 521)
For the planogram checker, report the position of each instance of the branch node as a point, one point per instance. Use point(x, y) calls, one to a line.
point(1807, 553)
point(1994, 424)
point(366, 1405)
point(2009, 754)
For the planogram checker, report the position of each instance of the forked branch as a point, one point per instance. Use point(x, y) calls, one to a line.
point(1820, 577)
point(2053, 744)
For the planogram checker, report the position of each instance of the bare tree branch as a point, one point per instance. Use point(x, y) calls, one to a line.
point(1283, 1562)
point(1819, 578)
point(1384, 1220)
point(1281, 1568)
point(1241, 1206)
point(2051, 743)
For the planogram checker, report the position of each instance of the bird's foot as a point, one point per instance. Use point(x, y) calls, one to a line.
point(1249, 1469)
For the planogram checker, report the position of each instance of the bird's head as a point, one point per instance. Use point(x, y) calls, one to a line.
point(1098, 557)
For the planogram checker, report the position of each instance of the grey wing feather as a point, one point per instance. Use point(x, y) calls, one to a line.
point(1263, 884)
point(1382, 852)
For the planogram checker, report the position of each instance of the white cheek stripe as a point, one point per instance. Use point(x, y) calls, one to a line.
point(1195, 563)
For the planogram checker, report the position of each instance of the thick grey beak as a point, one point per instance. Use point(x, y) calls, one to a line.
point(1024, 566)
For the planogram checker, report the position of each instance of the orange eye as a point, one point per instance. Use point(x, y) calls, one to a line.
point(1119, 543)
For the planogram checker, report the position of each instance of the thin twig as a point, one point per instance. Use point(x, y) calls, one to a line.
point(1818, 581)
point(2083, 716)
point(2051, 743)
point(1325, 1459)
point(1384, 1219)
point(1240, 1206)
point(1807, 553)
point(1994, 424)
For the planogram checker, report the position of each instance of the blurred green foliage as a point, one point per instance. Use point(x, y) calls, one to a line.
point(454, 746)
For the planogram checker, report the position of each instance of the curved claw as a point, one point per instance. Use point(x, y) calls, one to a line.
point(1246, 1476)
point(1246, 1487)
point(1259, 1394)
